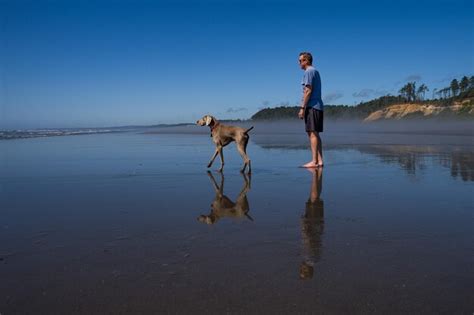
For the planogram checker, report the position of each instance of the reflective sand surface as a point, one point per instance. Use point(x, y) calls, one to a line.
point(130, 223)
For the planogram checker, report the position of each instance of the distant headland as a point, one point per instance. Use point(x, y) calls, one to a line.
point(453, 102)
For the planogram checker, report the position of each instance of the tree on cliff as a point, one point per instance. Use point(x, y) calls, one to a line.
point(444, 93)
point(409, 91)
point(421, 91)
point(464, 84)
point(403, 92)
point(454, 87)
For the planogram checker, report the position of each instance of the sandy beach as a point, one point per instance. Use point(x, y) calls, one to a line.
point(110, 223)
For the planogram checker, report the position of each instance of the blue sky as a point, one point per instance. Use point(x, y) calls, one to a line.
point(109, 63)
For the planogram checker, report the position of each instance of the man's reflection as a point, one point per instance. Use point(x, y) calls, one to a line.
point(222, 206)
point(312, 226)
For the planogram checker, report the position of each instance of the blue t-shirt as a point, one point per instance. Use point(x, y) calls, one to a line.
point(311, 77)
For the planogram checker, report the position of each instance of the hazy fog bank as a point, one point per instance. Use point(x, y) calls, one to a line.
point(292, 132)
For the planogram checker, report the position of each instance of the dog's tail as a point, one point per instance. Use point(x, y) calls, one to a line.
point(248, 129)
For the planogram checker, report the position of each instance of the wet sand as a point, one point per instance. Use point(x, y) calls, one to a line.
point(134, 223)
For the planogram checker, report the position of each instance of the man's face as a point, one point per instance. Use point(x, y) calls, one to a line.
point(303, 62)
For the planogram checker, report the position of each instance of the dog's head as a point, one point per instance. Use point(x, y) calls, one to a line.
point(206, 121)
point(208, 219)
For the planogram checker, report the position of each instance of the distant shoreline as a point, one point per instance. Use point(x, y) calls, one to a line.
point(281, 126)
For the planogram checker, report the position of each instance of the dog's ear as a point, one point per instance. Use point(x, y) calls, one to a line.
point(208, 120)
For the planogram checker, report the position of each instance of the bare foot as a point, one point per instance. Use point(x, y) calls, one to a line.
point(310, 164)
point(320, 164)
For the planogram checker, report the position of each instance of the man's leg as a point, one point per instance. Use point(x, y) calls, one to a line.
point(319, 149)
point(313, 140)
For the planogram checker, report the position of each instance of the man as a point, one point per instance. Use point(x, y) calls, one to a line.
point(312, 108)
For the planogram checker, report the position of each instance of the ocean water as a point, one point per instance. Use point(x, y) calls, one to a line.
point(134, 223)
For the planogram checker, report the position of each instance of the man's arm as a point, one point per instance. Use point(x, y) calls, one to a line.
point(306, 95)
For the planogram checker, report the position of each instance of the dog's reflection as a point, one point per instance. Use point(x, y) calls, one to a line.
point(312, 226)
point(222, 206)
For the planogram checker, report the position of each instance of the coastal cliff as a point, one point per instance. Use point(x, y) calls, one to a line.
point(401, 111)
point(460, 106)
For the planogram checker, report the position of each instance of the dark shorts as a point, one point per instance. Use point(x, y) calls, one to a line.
point(313, 119)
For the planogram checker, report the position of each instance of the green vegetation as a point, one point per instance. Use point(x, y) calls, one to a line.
point(458, 91)
point(282, 112)
point(456, 88)
point(333, 111)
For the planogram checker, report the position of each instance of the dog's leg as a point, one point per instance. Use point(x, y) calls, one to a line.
point(213, 158)
point(214, 183)
point(221, 154)
point(246, 187)
point(242, 202)
point(248, 179)
point(245, 151)
point(241, 147)
point(221, 189)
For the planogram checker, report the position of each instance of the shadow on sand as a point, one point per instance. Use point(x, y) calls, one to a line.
point(312, 226)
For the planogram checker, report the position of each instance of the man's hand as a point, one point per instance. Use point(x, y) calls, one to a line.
point(301, 113)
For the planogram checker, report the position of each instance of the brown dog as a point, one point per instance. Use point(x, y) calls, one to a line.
point(222, 206)
point(222, 135)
